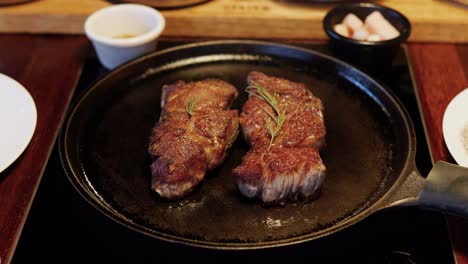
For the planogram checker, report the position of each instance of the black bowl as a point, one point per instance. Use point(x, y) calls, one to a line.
point(366, 54)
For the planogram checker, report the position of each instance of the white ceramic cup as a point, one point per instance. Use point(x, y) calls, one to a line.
point(123, 32)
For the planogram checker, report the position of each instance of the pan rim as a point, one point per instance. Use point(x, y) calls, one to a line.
point(376, 205)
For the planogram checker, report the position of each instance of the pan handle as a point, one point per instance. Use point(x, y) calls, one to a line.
point(446, 189)
point(408, 192)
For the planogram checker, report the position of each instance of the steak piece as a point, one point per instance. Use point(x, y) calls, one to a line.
point(287, 167)
point(193, 134)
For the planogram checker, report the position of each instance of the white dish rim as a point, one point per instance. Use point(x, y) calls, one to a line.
point(453, 125)
point(15, 153)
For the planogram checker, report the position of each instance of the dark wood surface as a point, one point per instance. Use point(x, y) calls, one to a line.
point(49, 67)
point(440, 72)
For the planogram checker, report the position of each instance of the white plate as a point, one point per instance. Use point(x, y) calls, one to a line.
point(455, 126)
point(18, 118)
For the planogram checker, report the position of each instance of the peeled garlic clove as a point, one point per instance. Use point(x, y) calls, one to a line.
point(361, 34)
point(341, 29)
point(352, 22)
point(377, 24)
point(374, 37)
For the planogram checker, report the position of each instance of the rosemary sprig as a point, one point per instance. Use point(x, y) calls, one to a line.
point(189, 106)
point(278, 117)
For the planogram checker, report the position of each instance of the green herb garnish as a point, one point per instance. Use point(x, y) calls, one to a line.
point(278, 117)
point(190, 105)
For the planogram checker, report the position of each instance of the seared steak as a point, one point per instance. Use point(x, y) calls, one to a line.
point(194, 131)
point(286, 165)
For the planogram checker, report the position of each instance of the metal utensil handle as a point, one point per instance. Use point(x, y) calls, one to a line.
point(446, 189)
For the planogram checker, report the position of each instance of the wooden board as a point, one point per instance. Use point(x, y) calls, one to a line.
point(441, 72)
point(432, 20)
point(51, 83)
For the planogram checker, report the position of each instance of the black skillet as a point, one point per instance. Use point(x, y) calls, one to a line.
point(369, 154)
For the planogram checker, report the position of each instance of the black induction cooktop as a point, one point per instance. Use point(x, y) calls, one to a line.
point(63, 228)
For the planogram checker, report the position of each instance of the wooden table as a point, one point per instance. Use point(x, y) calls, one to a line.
point(431, 20)
point(49, 67)
point(440, 72)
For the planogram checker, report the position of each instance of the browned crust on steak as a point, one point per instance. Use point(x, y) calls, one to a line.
point(184, 146)
point(291, 168)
